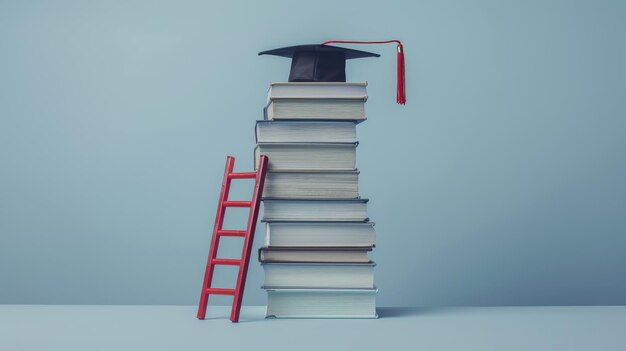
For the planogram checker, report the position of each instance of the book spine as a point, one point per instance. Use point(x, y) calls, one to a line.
point(265, 118)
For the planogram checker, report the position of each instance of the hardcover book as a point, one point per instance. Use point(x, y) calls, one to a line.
point(321, 303)
point(312, 185)
point(317, 90)
point(319, 275)
point(305, 132)
point(319, 234)
point(308, 156)
point(349, 210)
point(301, 254)
point(315, 109)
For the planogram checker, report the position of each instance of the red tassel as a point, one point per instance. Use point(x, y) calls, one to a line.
point(400, 95)
point(400, 88)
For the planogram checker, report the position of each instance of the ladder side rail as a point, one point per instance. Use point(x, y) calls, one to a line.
point(219, 220)
point(249, 239)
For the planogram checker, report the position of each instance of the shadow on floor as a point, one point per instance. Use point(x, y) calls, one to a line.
point(391, 312)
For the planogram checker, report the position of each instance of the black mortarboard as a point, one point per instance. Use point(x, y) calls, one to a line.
point(318, 63)
point(325, 63)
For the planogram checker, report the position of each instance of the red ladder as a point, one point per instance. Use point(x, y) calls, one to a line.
point(248, 236)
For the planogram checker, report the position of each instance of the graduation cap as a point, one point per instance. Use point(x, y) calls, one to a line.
point(325, 63)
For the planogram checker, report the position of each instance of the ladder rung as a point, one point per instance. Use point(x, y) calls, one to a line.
point(224, 232)
point(237, 203)
point(220, 291)
point(243, 175)
point(228, 261)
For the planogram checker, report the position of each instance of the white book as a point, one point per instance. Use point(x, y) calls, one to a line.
point(315, 109)
point(311, 185)
point(321, 303)
point(319, 234)
point(333, 254)
point(305, 131)
point(315, 210)
point(317, 90)
point(319, 275)
point(308, 156)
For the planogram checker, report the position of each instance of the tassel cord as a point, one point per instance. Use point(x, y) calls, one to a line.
point(400, 77)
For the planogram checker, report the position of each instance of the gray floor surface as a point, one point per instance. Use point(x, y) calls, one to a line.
point(39, 327)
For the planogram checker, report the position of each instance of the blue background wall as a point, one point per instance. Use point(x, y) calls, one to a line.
point(502, 181)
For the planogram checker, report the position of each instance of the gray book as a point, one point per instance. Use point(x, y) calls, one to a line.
point(305, 132)
point(321, 303)
point(316, 109)
point(318, 234)
point(301, 254)
point(315, 210)
point(316, 100)
point(319, 275)
point(308, 156)
point(311, 185)
point(323, 90)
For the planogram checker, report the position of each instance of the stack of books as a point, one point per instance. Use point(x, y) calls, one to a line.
point(317, 231)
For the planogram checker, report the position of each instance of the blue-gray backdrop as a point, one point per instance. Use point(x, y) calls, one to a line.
point(501, 182)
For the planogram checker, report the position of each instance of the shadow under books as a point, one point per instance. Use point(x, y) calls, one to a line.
point(391, 312)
